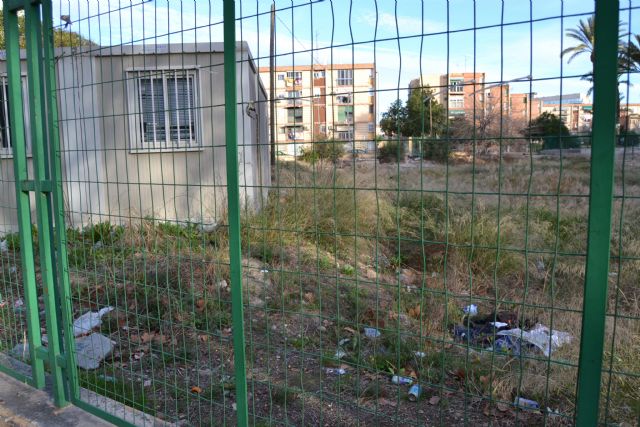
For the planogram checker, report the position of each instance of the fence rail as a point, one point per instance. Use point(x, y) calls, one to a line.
point(434, 239)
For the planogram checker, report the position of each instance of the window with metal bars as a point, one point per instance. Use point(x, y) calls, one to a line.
point(166, 107)
point(345, 77)
point(5, 118)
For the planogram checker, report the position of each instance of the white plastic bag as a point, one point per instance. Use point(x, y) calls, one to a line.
point(541, 337)
point(91, 319)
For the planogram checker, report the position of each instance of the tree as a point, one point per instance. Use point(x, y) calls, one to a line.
point(417, 118)
point(546, 124)
point(424, 114)
point(394, 118)
point(632, 55)
point(61, 38)
point(584, 34)
point(552, 131)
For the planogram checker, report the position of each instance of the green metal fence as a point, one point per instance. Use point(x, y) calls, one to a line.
point(323, 213)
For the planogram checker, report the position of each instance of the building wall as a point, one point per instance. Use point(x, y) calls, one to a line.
point(524, 106)
point(108, 179)
point(323, 97)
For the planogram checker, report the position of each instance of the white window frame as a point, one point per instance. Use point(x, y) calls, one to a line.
point(345, 77)
point(7, 152)
point(319, 74)
point(348, 138)
point(137, 143)
point(456, 103)
point(371, 127)
point(456, 85)
point(295, 75)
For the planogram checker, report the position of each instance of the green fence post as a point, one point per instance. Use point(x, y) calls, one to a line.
point(233, 200)
point(22, 194)
point(43, 187)
point(605, 74)
point(64, 287)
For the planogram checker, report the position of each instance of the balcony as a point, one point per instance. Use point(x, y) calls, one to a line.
point(294, 102)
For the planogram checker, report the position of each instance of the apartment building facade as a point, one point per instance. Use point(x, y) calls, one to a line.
point(574, 109)
point(630, 116)
point(492, 106)
point(313, 102)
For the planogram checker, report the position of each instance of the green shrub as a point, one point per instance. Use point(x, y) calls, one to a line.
point(555, 142)
point(435, 149)
point(103, 232)
point(323, 149)
point(629, 139)
point(391, 151)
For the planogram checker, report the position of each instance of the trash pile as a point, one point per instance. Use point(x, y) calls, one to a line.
point(91, 347)
point(501, 332)
point(400, 377)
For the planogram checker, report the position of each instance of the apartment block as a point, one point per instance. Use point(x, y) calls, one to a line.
point(463, 93)
point(630, 116)
point(323, 101)
point(492, 106)
point(574, 109)
point(524, 106)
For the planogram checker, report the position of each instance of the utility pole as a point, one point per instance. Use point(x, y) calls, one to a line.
point(272, 89)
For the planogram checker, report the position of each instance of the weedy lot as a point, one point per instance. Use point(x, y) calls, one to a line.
point(401, 248)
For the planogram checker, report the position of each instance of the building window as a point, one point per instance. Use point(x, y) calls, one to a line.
point(345, 114)
point(456, 85)
point(165, 107)
point(280, 76)
point(345, 136)
point(294, 94)
point(294, 77)
point(295, 133)
point(323, 128)
point(343, 98)
point(372, 127)
point(456, 103)
point(5, 117)
point(318, 74)
point(345, 77)
point(372, 92)
point(316, 92)
point(5, 137)
point(371, 109)
point(294, 115)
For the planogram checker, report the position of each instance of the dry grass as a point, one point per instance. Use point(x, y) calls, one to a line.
point(402, 248)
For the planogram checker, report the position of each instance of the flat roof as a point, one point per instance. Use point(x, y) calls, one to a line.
point(140, 49)
point(319, 67)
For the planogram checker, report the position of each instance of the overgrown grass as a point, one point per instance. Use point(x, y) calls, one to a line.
point(336, 250)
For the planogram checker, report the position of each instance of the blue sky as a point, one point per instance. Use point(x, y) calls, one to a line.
point(435, 36)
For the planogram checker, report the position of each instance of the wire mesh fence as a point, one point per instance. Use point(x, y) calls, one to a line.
point(414, 186)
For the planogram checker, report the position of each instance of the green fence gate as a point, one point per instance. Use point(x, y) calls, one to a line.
point(208, 215)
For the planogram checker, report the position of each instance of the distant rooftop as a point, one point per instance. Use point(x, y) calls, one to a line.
point(569, 98)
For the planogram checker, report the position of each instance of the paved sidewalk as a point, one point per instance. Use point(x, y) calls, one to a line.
point(21, 405)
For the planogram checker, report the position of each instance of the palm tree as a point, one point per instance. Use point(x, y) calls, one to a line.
point(584, 34)
point(632, 54)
